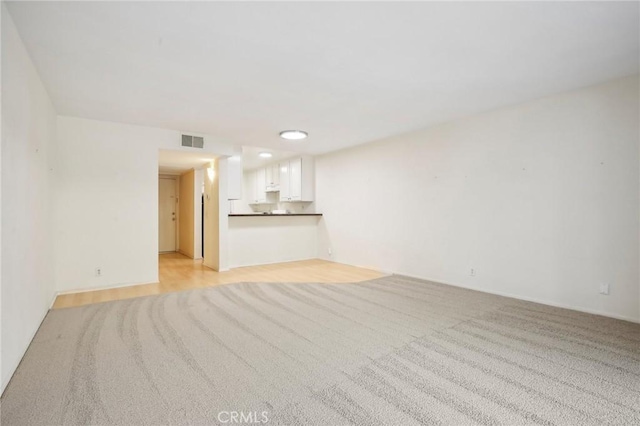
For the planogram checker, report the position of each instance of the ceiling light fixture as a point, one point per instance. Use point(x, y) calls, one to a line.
point(265, 155)
point(293, 135)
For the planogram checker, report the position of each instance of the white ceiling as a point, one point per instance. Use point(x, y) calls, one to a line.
point(347, 73)
point(178, 162)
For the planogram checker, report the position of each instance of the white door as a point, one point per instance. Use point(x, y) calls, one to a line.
point(275, 175)
point(269, 171)
point(295, 174)
point(261, 186)
point(167, 215)
point(284, 182)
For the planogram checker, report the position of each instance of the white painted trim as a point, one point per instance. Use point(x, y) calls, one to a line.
point(526, 299)
point(497, 293)
point(109, 287)
point(213, 269)
point(208, 266)
point(53, 301)
point(33, 335)
point(273, 263)
point(370, 268)
point(185, 254)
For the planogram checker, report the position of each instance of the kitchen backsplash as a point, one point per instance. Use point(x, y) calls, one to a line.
point(241, 206)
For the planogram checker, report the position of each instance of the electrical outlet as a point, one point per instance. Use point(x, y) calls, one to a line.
point(329, 251)
point(604, 289)
point(98, 271)
point(472, 272)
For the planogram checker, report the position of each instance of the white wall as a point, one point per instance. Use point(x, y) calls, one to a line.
point(28, 143)
point(216, 215)
point(541, 199)
point(272, 239)
point(107, 202)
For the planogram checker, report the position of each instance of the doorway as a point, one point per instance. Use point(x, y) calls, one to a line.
point(167, 204)
point(181, 181)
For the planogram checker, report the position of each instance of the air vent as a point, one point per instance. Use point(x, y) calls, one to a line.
point(193, 141)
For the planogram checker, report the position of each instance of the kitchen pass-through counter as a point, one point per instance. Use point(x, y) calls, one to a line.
point(272, 214)
point(258, 239)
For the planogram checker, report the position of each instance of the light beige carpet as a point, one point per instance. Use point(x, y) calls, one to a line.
point(395, 351)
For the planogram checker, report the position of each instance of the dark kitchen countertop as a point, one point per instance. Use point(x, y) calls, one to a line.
point(274, 215)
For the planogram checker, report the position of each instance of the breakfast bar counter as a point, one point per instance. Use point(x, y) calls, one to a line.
point(272, 214)
point(258, 239)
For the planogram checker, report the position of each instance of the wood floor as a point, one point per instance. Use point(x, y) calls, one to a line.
point(178, 272)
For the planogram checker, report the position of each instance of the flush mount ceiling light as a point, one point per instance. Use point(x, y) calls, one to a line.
point(265, 155)
point(293, 135)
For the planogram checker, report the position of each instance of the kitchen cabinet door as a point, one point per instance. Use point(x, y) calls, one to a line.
point(269, 171)
point(285, 194)
point(273, 178)
point(235, 180)
point(260, 186)
point(295, 179)
point(275, 175)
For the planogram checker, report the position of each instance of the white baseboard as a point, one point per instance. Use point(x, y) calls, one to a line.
point(108, 287)
point(272, 263)
point(188, 255)
point(497, 293)
point(53, 301)
point(15, 365)
point(527, 299)
point(371, 268)
point(214, 269)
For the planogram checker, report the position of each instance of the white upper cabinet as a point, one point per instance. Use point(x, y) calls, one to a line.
point(273, 178)
point(259, 187)
point(297, 179)
point(292, 180)
point(234, 182)
point(284, 181)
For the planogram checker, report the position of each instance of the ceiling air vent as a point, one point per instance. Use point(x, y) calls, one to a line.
point(193, 141)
